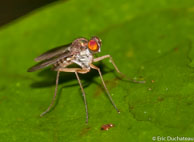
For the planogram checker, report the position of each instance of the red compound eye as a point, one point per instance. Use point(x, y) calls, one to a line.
point(92, 45)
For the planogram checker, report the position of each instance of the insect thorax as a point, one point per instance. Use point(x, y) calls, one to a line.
point(83, 59)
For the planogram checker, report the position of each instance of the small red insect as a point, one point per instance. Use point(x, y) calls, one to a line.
point(107, 126)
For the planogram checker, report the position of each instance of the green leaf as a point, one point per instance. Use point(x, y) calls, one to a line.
point(151, 40)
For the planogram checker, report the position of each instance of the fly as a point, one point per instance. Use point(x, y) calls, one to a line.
point(81, 52)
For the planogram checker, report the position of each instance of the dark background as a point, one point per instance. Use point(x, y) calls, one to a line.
point(13, 9)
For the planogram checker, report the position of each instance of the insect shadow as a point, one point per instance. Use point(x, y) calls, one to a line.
point(86, 79)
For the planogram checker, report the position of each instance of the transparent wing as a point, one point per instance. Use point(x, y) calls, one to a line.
point(48, 62)
point(53, 52)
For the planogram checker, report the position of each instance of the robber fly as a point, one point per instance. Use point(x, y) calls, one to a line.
point(79, 52)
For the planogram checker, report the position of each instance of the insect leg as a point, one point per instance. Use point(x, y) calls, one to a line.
point(54, 97)
point(79, 70)
point(84, 96)
point(116, 68)
point(104, 57)
point(96, 68)
point(83, 71)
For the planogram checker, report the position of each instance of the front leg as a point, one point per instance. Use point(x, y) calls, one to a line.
point(104, 57)
point(116, 68)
